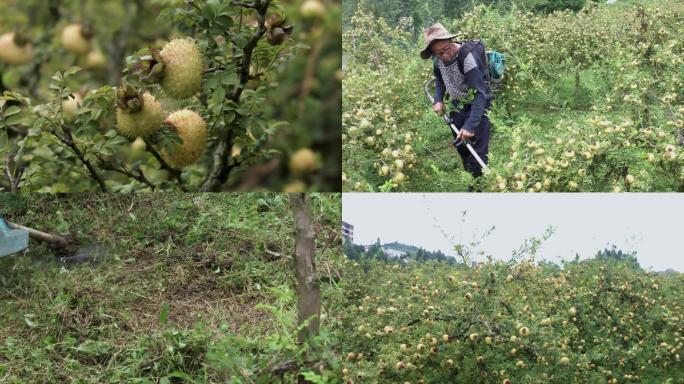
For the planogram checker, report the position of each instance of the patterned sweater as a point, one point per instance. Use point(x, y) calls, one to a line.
point(448, 77)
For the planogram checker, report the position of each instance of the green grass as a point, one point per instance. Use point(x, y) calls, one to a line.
point(190, 287)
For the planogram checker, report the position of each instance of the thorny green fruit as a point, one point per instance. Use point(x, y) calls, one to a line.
point(15, 49)
point(137, 114)
point(76, 38)
point(192, 129)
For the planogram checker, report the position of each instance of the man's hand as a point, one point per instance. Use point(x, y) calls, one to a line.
point(465, 135)
point(438, 108)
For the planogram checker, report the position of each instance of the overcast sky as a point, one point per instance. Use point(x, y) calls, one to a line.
point(650, 224)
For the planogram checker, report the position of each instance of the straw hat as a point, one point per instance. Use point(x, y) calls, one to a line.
point(434, 32)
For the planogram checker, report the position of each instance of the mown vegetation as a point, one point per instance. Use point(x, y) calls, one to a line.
point(186, 289)
point(88, 91)
point(591, 100)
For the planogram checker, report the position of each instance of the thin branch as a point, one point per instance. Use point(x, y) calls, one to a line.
point(139, 176)
point(68, 140)
point(165, 166)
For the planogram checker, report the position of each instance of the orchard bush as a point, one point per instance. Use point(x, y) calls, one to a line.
point(591, 102)
point(512, 321)
point(160, 95)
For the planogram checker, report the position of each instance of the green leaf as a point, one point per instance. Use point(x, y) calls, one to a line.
point(71, 71)
point(224, 21)
point(240, 40)
point(58, 77)
point(14, 120)
point(164, 314)
point(12, 111)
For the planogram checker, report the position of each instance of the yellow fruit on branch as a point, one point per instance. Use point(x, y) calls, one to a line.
point(138, 145)
point(137, 115)
point(70, 107)
point(192, 129)
point(312, 9)
point(182, 68)
point(76, 38)
point(303, 162)
point(295, 186)
point(96, 60)
point(14, 49)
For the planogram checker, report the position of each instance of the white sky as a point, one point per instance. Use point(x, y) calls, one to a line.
point(650, 224)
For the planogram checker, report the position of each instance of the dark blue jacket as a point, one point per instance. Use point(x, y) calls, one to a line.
point(475, 79)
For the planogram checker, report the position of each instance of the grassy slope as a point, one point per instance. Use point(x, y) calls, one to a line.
point(201, 256)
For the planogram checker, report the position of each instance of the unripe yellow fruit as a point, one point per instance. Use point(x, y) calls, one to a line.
point(295, 186)
point(192, 129)
point(142, 123)
point(303, 161)
point(11, 53)
point(70, 108)
point(73, 39)
point(138, 145)
point(311, 9)
point(183, 68)
point(95, 60)
point(564, 360)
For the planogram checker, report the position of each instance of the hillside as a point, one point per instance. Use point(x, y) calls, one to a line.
point(590, 100)
point(186, 288)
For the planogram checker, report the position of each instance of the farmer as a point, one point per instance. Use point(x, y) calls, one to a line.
point(471, 119)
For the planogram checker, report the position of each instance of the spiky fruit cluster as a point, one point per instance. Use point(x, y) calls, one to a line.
point(183, 68)
point(70, 107)
point(192, 129)
point(76, 38)
point(276, 30)
point(137, 114)
point(14, 49)
point(303, 161)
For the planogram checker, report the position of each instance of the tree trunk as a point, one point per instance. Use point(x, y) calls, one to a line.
point(308, 288)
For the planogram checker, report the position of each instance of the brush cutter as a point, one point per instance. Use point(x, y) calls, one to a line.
point(459, 141)
point(14, 239)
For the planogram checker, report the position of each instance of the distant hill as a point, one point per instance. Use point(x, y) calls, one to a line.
point(410, 249)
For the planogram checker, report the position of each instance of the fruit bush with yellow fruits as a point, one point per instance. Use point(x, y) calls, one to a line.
point(516, 321)
point(591, 101)
point(146, 95)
